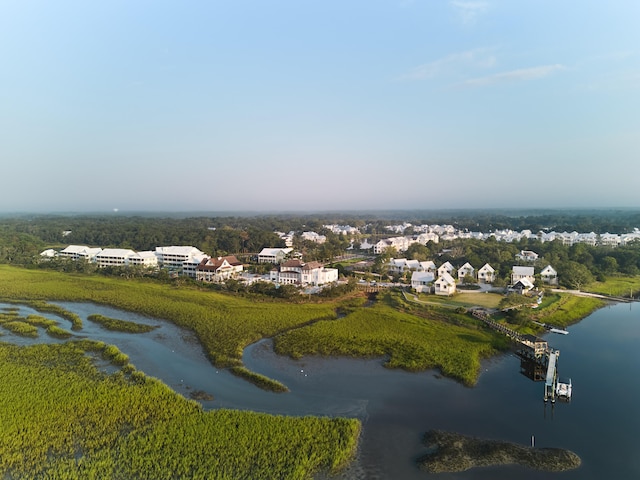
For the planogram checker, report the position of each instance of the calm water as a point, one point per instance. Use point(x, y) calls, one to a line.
point(601, 424)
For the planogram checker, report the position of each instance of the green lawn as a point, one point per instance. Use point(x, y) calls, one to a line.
point(486, 300)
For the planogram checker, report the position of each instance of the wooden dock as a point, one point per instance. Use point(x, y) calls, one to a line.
point(533, 349)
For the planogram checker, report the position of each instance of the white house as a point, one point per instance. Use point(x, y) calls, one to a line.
point(421, 281)
point(527, 256)
point(427, 237)
point(218, 269)
point(399, 243)
point(427, 266)
point(401, 265)
point(486, 274)
point(522, 286)
point(313, 237)
point(110, 257)
point(287, 237)
point(273, 255)
point(465, 270)
point(80, 252)
point(518, 273)
point(445, 268)
point(174, 256)
point(445, 285)
point(549, 275)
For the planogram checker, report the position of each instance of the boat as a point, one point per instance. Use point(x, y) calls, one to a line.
point(563, 389)
point(557, 330)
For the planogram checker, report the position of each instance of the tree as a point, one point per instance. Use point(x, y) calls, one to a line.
point(575, 275)
point(468, 279)
point(609, 264)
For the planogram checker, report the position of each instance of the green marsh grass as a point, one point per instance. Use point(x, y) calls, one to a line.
point(564, 309)
point(407, 341)
point(63, 419)
point(224, 324)
point(21, 328)
point(261, 381)
point(120, 325)
point(57, 332)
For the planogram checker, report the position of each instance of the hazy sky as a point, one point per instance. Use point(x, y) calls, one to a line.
point(318, 105)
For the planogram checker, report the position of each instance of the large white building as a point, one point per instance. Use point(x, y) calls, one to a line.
point(175, 256)
point(80, 252)
point(295, 272)
point(112, 257)
point(146, 259)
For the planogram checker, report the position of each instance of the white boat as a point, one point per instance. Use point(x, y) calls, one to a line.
point(563, 389)
point(557, 330)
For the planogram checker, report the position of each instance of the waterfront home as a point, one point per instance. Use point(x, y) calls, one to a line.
point(518, 273)
point(522, 286)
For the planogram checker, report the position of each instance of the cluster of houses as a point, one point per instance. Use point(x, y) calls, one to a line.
point(425, 277)
point(191, 262)
point(434, 233)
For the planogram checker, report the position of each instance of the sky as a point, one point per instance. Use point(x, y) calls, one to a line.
point(292, 105)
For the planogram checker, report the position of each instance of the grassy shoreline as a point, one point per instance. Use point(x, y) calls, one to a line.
point(410, 335)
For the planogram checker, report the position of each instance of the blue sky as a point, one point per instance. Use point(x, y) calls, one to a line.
point(318, 105)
